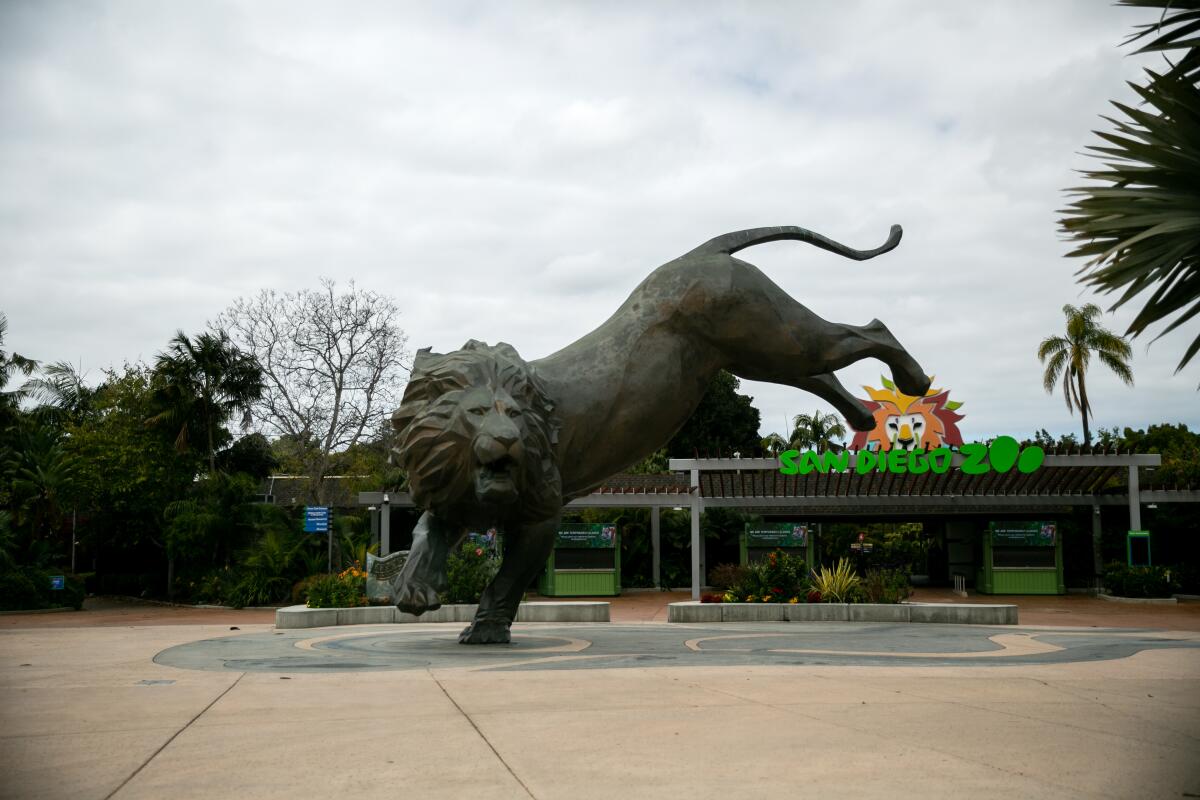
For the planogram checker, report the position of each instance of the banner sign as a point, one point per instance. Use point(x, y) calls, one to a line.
point(1023, 534)
point(587, 534)
point(58, 582)
point(780, 534)
point(316, 519)
point(486, 540)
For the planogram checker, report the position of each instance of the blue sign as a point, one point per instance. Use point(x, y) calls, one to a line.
point(58, 582)
point(316, 519)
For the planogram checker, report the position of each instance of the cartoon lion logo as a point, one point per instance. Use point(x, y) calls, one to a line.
point(907, 422)
point(475, 430)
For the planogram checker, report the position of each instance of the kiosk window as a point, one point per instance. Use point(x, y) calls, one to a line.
point(1139, 551)
point(584, 558)
point(1023, 557)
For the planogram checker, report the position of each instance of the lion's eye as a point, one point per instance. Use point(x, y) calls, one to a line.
point(918, 424)
point(513, 413)
point(478, 411)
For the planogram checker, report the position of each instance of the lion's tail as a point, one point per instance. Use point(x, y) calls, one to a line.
point(739, 240)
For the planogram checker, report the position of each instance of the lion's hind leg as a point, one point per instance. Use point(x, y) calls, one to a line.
point(525, 552)
point(418, 586)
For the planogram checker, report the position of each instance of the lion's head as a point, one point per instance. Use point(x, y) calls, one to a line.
point(476, 426)
point(905, 422)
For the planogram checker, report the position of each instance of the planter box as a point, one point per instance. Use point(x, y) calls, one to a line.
point(693, 611)
point(305, 617)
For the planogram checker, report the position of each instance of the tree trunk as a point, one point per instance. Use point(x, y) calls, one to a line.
point(170, 578)
point(1083, 411)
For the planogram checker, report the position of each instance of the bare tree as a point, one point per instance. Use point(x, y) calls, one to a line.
point(332, 365)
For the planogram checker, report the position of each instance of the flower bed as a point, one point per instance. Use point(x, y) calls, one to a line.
point(786, 579)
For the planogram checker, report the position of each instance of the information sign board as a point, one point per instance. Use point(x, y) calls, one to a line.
point(586, 534)
point(316, 519)
point(1023, 534)
point(780, 534)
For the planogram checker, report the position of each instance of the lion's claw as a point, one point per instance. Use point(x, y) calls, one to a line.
point(417, 598)
point(485, 632)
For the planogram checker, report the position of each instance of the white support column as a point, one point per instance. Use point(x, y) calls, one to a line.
point(695, 513)
point(655, 547)
point(1135, 501)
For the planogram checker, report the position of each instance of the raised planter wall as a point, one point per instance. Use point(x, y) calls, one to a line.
point(305, 617)
point(954, 613)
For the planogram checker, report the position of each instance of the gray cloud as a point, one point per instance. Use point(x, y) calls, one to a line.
point(476, 160)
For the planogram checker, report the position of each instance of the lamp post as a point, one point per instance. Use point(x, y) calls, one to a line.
point(385, 526)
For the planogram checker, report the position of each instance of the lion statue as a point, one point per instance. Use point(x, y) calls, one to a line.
point(490, 440)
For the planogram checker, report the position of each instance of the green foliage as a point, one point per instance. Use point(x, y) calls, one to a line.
point(886, 586)
point(837, 585)
point(1138, 223)
point(776, 579)
point(28, 588)
point(654, 464)
point(817, 431)
point(469, 571)
point(198, 386)
point(1180, 449)
point(724, 422)
point(725, 576)
point(347, 589)
point(1126, 581)
point(251, 455)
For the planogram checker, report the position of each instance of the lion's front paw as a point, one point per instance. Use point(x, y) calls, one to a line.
point(415, 597)
point(485, 632)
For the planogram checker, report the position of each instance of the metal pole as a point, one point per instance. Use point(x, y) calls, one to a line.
point(72, 541)
point(1097, 540)
point(385, 526)
point(695, 513)
point(329, 529)
point(1135, 501)
point(654, 546)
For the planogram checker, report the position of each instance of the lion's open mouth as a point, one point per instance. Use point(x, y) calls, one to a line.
point(495, 480)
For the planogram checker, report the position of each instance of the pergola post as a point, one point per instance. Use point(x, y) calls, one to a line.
point(1135, 500)
point(695, 514)
point(654, 546)
point(1097, 542)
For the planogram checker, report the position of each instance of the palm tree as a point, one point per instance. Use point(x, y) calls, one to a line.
point(817, 431)
point(1069, 357)
point(201, 384)
point(61, 393)
point(10, 364)
point(1140, 229)
point(772, 443)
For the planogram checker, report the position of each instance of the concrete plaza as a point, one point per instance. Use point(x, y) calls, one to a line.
point(628, 709)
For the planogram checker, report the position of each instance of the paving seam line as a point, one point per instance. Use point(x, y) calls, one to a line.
point(486, 741)
point(791, 710)
point(163, 746)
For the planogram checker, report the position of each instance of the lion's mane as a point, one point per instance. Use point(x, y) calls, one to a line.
point(435, 443)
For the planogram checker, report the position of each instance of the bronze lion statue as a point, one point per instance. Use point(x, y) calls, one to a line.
point(490, 440)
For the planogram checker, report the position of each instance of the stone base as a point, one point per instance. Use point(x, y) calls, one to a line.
point(1112, 598)
point(305, 617)
point(956, 613)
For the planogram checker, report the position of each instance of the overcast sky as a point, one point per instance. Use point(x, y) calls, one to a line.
point(510, 171)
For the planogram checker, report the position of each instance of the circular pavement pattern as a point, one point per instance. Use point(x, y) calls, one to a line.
point(591, 646)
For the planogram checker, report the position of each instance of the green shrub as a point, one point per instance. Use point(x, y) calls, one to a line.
point(886, 586)
point(1125, 581)
point(345, 590)
point(725, 576)
point(468, 573)
point(837, 585)
point(776, 579)
point(18, 593)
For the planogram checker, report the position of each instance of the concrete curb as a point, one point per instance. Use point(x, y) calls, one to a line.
point(1112, 598)
point(953, 613)
point(565, 611)
point(54, 610)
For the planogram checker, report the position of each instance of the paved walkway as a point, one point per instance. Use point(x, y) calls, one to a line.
point(180, 711)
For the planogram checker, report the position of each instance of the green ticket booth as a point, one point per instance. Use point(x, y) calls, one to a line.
point(1021, 557)
point(586, 561)
point(1137, 549)
point(760, 540)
